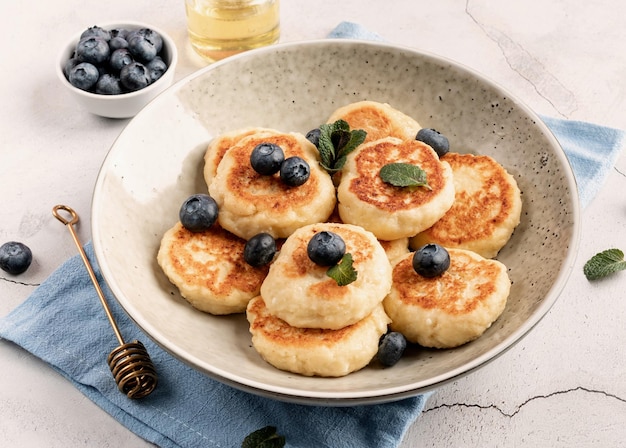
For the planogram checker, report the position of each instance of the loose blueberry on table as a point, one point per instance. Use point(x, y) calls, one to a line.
point(15, 257)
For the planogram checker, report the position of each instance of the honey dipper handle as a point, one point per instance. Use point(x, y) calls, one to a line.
point(69, 223)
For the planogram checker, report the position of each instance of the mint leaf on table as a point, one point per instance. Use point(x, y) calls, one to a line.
point(336, 142)
point(604, 263)
point(404, 175)
point(264, 438)
point(343, 272)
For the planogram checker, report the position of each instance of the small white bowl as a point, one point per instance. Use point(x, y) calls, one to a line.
point(124, 105)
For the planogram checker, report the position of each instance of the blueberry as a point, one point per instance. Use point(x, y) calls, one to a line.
point(431, 260)
point(156, 68)
point(198, 212)
point(294, 171)
point(259, 250)
point(84, 76)
point(69, 65)
point(435, 140)
point(15, 257)
point(150, 35)
point(94, 50)
point(391, 347)
point(109, 84)
point(141, 48)
point(119, 32)
point(96, 31)
point(117, 42)
point(326, 248)
point(314, 136)
point(112, 55)
point(134, 76)
point(120, 58)
point(267, 158)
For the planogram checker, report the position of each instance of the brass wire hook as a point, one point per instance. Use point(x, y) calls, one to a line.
point(130, 363)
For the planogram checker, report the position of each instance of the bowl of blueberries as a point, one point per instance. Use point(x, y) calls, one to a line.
point(113, 70)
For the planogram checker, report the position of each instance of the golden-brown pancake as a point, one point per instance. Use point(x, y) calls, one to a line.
point(313, 351)
point(395, 249)
point(452, 309)
point(486, 209)
point(209, 269)
point(379, 120)
point(388, 211)
point(301, 293)
point(250, 203)
point(222, 143)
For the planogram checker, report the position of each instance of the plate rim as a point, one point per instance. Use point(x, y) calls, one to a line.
point(339, 398)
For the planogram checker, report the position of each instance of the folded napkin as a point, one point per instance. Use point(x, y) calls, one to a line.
point(591, 150)
point(63, 323)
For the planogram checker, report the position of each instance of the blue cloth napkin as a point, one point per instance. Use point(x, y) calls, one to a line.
point(350, 30)
point(63, 323)
point(591, 150)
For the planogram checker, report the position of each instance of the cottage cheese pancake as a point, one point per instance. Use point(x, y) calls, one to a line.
point(209, 270)
point(312, 351)
point(391, 212)
point(379, 120)
point(299, 292)
point(486, 209)
point(250, 203)
point(452, 309)
point(395, 249)
point(222, 143)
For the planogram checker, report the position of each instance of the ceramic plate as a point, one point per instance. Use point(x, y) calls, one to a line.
point(157, 162)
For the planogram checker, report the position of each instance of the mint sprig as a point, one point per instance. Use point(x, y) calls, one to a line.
point(404, 175)
point(336, 142)
point(343, 272)
point(264, 438)
point(604, 263)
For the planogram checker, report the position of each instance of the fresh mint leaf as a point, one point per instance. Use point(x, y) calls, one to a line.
point(604, 263)
point(336, 142)
point(357, 137)
point(339, 163)
point(264, 438)
point(343, 272)
point(404, 175)
point(326, 147)
point(340, 138)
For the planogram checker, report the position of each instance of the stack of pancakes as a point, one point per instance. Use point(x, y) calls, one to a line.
point(304, 322)
point(300, 319)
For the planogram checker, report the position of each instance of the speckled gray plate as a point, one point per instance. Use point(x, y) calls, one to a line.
point(157, 162)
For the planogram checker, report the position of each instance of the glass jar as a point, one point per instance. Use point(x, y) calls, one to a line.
point(221, 28)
